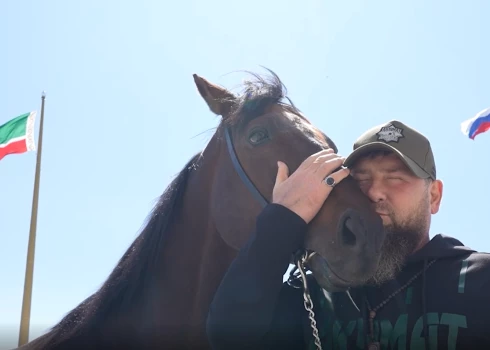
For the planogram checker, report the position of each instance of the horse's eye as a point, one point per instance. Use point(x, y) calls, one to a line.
point(257, 136)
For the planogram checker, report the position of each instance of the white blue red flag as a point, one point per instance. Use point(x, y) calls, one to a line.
point(476, 125)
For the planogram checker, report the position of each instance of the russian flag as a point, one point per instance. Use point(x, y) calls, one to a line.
point(476, 125)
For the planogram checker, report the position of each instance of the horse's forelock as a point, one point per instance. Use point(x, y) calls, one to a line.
point(259, 93)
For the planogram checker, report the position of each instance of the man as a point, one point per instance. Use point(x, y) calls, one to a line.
point(426, 294)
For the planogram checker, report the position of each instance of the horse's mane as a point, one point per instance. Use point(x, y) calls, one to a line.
point(130, 278)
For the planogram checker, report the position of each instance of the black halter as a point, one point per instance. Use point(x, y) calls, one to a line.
point(236, 164)
point(294, 279)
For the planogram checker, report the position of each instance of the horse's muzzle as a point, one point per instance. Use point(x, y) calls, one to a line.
point(353, 256)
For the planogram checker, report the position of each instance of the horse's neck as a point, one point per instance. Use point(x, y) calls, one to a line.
point(195, 260)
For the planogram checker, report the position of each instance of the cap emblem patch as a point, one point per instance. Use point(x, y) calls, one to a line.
point(390, 133)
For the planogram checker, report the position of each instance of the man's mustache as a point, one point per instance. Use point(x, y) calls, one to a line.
point(383, 208)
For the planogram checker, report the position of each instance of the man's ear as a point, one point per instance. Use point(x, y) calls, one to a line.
point(436, 188)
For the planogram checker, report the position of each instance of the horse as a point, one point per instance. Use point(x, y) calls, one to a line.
point(158, 294)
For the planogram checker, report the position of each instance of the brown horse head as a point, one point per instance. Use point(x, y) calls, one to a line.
point(159, 293)
point(257, 130)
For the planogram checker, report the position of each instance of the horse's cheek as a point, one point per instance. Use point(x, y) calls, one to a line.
point(234, 218)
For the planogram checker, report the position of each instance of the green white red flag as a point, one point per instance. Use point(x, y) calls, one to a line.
point(17, 135)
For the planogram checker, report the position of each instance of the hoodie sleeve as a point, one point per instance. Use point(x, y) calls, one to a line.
point(252, 309)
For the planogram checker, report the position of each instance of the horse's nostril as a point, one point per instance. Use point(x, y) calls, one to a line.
point(348, 237)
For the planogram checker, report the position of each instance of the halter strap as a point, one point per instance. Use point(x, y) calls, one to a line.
point(241, 172)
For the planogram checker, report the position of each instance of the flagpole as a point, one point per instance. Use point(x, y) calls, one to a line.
point(26, 302)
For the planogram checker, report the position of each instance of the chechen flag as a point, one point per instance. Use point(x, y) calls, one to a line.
point(476, 125)
point(17, 135)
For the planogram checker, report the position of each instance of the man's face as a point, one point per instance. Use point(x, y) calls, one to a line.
point(405, 203)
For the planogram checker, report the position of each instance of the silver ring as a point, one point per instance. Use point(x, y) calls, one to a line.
point(329, 181)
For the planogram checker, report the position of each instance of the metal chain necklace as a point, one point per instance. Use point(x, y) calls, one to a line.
point(374, 345)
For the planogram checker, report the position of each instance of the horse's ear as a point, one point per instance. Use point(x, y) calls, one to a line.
point(219, 100)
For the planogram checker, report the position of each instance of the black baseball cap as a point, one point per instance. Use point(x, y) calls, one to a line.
point(408, 144)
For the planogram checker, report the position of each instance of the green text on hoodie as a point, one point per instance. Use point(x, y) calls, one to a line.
point(447, 307)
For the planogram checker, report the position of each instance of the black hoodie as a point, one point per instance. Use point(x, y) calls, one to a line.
point(446, 307)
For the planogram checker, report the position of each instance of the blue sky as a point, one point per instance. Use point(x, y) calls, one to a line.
point(123, 115)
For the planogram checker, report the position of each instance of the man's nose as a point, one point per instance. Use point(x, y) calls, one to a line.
point(375, 192)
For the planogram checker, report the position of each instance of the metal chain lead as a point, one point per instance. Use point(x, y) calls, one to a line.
point(308, 303)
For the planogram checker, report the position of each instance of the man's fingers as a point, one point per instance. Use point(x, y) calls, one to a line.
point(329, 165)
point(282, 172)
point(311, 159)
point(304, 192)
point(338, 175)
point(324, 157)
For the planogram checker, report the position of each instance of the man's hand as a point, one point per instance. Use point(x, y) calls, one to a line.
point(304, 192)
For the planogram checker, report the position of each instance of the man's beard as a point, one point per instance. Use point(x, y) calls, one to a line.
point(401, 240)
